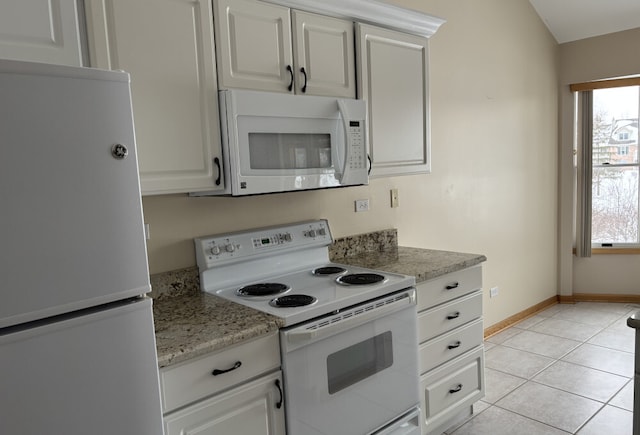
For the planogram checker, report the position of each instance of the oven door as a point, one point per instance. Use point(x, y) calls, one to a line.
point(354, 372)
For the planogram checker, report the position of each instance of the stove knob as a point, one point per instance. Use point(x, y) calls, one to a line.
point(312, 233)
point(230, 247)
point(215, 250)
point(287, 237)
point(322, 232)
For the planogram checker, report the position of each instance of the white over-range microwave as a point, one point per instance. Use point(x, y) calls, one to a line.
point(279, 142)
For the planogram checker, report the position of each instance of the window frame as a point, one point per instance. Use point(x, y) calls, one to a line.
point(584, 121)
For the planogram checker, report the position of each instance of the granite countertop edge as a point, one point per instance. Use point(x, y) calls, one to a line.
point(190, 323)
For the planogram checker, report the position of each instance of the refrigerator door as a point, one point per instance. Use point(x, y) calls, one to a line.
point(94, 374)
point(71, 227)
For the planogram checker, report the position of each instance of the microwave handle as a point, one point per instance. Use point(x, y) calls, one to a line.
point(344, 171)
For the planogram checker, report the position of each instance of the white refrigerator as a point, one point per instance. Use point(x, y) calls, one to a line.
point(77, 344)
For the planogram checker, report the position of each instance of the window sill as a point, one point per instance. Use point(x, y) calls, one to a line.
point(613, 251)
point(623, 251)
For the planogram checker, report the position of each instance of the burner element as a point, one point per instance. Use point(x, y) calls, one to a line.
point(292, 301)
point(328, 270)
point(262, 289)
point(360, 279)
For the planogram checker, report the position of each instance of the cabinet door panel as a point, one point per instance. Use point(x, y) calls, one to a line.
point(247, 409)
point(393, 73)
point(167, 47)
point(446, 391)
point(253, 45)
point(324, 46)
point(40, 31)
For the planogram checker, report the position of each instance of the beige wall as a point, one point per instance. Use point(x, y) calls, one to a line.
point(494, 150)
point(602, 57)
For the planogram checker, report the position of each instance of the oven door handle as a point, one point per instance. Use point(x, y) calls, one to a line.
point(350, 318)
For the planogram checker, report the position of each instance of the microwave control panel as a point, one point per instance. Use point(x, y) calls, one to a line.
point(358, 155)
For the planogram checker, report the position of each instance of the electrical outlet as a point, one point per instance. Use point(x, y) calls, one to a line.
point(362, 205)
point(394, 198)
point(493, 292)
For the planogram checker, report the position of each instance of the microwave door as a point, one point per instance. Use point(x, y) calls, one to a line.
point(343, 152)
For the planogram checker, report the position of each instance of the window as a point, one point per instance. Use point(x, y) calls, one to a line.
point(610, 207)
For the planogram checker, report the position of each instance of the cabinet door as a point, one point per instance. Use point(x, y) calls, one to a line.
point(248, 409)
point(324, 47)
point(40, 31)
point(167, 47)
point(393, 78)
point(253, 45)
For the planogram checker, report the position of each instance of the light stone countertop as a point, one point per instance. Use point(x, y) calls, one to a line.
point(424, 264)
point(193, 323)
point(190, 323)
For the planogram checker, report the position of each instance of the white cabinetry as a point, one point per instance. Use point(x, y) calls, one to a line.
point(450, 334)
point(393, 77)
point(272, 48)
point(167, 46)
point(40, 31)
point(244, 396)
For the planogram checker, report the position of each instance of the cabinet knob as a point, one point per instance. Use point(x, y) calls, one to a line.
point(453, 315)
point(455, 345)
point(456, 389)
point(217, 372)
point(279, 404)
point(290, 87)
point(304, 73)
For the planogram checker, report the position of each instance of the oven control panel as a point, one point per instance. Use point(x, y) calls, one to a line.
point(239, 246)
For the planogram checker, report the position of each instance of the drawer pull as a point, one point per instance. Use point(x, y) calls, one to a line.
point(454, 315)
point(455, 345)
point(452, 286)
point(279, 404)
point(456, 389)
point(217, 372)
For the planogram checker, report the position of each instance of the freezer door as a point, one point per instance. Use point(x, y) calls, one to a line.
point(71, 227)
point(95, 374)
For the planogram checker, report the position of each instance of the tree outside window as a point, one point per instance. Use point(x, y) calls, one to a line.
point(615, 188)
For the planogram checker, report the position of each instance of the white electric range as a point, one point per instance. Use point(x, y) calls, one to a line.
point(349, 345)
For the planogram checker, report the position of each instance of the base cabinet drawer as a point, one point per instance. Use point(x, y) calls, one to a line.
point(195, 379)
point(448, 287)
point(450, 345)
point(449, 388)
point(446, 317)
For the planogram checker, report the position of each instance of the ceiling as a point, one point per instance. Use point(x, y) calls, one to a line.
point(571, 20)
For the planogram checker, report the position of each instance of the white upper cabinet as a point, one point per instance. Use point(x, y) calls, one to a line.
point(256, 50)
point(324, 57)
point(40, 31)
point(393, 77)
point(167, 46)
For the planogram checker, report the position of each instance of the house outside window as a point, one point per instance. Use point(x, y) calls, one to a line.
point(615, 173)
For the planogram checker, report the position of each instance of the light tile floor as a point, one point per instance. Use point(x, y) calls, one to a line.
point(566, 370)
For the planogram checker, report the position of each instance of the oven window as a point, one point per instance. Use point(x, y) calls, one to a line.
point(289, 150)
point(358, 362)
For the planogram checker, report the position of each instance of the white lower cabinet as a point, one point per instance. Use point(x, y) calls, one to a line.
point(250, 408)
point(452, 388)
point(237, 390)
point(451, 351)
